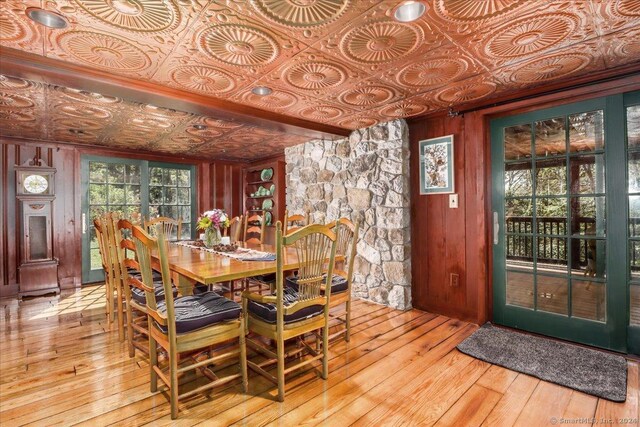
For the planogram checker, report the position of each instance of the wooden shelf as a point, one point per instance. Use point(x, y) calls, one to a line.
point(252, 180)
point(270, 196)
point(260, 182)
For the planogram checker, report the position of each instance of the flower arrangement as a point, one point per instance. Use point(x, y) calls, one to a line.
point(213, 219)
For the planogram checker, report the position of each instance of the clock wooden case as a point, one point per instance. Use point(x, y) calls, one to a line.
point(35, 191)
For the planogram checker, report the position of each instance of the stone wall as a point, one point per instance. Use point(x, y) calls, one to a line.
point(366, 177)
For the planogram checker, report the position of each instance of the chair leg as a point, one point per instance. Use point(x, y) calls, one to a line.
point(348, 325)
point(120, 313)
point(132, 350)
point(153, 362)
point(110, 302)
point(173, 391)
point(243, 357)
point(325, 351)
point(280, 352)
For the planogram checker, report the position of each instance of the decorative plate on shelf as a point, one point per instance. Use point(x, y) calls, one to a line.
point(272, 189)
point(267, 204)
point(267, 218)
point(266, 174)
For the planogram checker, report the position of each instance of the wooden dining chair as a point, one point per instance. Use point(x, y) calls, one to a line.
point(288, 314)
point(186, 324)
point(99, 225)
point(134, 294)
point(254, 228)
point(347, 235)
point(236, 226)
point(293, 222)
point(169, 227)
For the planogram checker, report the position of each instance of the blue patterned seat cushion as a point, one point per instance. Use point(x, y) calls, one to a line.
point(267, 311)
point(139, 296)
point(198, 311)
point(338, 283)
point(265, 278)
point(135, 273)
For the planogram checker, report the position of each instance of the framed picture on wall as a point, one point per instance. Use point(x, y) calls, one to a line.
point(436, 165)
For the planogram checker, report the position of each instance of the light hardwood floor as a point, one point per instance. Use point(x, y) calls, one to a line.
point(60, 364)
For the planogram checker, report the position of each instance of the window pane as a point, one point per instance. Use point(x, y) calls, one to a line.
point(154, 210)
point(635, 305)
point(552, 294)
point(171, 196)
point(633, 126)
point(551, 177)
point(116, 173)
point(97, 172)
point(133, 174)
point(634, 172)
point(586, 131)
point(97, 194)
point(552, 254)
point(588, 257)
point(116, 194)
point(520, 289)
point(185, 214)
point(133, 194)
point(96, 211)
point(184, 178)
point(550, 137)
point(551, 214)
point(184, 196)
point(186, 231)
point(155, 195)
point(588, 215)
point(96, 259)
point(517, 142)
point(634, 216)
point(587, 174)
point(519, 251)
point(155, 176)
point(634, 260)
point(170, 177)
point(518, 179)
point(588, 300)
point(518, 215)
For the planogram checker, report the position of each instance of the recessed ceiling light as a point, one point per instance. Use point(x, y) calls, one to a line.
point(261, 90)
point(409, 11)
point(76, 131)
point(47, 18)
point(199, 127)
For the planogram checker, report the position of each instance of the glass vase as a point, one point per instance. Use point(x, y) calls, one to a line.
point(212, 237)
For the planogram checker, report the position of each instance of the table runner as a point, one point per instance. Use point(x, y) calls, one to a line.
point(240, 254)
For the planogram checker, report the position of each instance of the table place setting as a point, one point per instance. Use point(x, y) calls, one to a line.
point(228, 250)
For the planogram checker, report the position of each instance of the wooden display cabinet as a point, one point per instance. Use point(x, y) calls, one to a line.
point(253, 181)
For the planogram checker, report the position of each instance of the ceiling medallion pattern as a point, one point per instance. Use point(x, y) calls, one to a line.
point(403, 109)
point(381, 42)
point(152, 123)
point(204, 133)
point(367, 96)
point(9, 101)
point(301, 13)
point(102, 50)
point(530, 35)
point(12, 116)
point(465, 92)
point(220, 124)
point(277, 99)
point(358, 123)
point(321, 112)
point(134, 15)
point(83, 111)
point(628, 7)
point(76, 123)
point(315, 75)
point(14, 83)
point(84, 96)
point(550, 68)
point(13, 30)
point(465, 10)
point(203, 79)
point(163, 112)
point(239, 45)
point(432, 72)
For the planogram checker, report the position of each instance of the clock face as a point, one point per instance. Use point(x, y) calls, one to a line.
point(36, 184)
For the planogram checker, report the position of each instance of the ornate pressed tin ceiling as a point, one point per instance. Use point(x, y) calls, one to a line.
point(346, 63)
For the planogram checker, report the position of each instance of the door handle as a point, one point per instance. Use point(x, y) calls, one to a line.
point(496, 229)
point(84, 223)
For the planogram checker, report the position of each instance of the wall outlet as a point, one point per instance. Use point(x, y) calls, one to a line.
point(454, 280)
point(453, 201)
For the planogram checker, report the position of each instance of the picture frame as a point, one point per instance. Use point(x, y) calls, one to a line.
point(437, 165)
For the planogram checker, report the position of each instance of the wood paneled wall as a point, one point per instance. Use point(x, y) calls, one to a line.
point(219, 185)
point(449, 241)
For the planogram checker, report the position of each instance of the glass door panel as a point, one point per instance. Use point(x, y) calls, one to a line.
point(551, 198)
point(632, 116)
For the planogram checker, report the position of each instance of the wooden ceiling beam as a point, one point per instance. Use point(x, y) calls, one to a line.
point(52, 71)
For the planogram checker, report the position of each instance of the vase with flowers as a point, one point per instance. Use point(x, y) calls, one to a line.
point(212, 223)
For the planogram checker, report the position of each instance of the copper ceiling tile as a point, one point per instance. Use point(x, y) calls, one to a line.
point(615, 15)
point(469, 90)
point(358, 121)
point(307, 21)
point(374, 40)
point(278, 100)
point(16, 30)
point(622, 47)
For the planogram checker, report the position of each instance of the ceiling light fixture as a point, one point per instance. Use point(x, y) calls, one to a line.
point(409, 11)
point(199, 127)
point(76, 131)
point(47, 18)
point(261, 90)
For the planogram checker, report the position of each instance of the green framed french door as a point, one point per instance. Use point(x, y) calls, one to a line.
point(560, 218)
point(130, 187)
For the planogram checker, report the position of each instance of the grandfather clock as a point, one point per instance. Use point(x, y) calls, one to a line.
point(38, 270)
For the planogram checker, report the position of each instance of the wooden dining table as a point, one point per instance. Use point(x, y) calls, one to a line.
point(194, 266)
